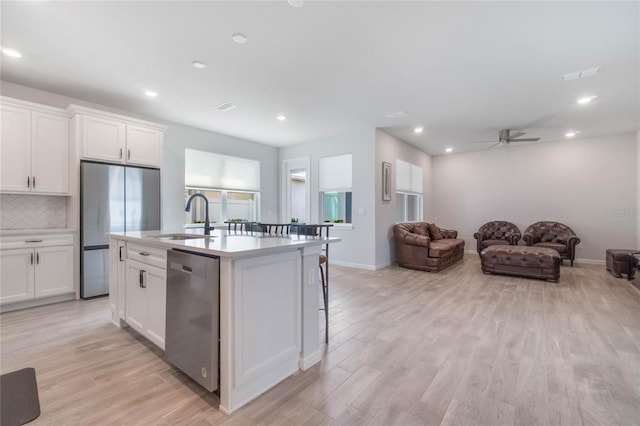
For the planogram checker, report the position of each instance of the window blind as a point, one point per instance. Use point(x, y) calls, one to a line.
point(209, 170)
point(408, 177)
point(334, 173)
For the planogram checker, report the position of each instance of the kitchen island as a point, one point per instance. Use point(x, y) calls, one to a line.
point(268, 301)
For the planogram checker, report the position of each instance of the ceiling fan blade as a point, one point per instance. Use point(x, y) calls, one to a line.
point(494, 145)
point(486, 141)
point(524, 140)
point(516, 135)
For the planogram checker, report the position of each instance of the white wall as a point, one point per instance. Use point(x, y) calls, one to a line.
point(389, 148)
point(637, 190)
point(357, 247)
point(587, 184)
point(176, 139)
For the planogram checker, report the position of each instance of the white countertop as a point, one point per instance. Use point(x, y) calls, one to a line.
point(225, 243)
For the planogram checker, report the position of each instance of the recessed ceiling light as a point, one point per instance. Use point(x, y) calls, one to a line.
point(281, 117)
point(586, 99)
point(239, 38)
point(296, 3)
point(198, 64)
point(225, 106)
point(449, 150)
point(571, 134)
point(418, 129)
point(397, 114)
point(150, 93)
point(12, 53)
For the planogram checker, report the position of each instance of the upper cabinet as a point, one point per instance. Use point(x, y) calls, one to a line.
point(114, 138)
point(34, 148)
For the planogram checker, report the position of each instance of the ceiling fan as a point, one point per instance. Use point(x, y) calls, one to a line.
point(505, 137)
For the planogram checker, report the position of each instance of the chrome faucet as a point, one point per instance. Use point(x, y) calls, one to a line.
point(207, 228)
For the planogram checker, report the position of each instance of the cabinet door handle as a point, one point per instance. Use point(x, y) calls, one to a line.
point(32, 258)
point(121, 153)
point(142, 253)
point(128, 154)
point(120, 253)
point(33, 182)
point(141, 279)
point(37, 258)
point(33, 241)
point(28, 182)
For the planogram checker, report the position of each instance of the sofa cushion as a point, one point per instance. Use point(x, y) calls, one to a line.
point(420, 229)
point(434, 232)
point(560, 248)
point(487, 243)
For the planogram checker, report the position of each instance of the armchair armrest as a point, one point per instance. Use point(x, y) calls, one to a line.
point(414, 239)
point(448, 233)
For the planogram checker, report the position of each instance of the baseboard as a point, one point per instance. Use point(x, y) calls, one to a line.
point(353, 265)
point(37, 302)
point(383, 265)
point(587, 261)
point(310, 360)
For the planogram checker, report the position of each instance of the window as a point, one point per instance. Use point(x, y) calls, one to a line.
point(408, 192)
point(336, 207)
point(231, 184)
point(334, 184)
point(223, 205)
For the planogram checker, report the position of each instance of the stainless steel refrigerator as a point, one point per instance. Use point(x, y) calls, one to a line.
point(113, 198)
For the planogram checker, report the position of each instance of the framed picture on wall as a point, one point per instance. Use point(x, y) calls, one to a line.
point(386, 181)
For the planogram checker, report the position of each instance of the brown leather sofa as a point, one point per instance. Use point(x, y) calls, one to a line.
point(553, 235)
point(498, 232)
point(418, 249)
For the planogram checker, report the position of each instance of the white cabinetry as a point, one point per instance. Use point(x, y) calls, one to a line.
point(36, 267)
point(34, 147)
point(117, 139)
point(146, 292)
point(117, 271)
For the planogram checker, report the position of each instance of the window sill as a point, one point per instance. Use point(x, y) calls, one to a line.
point(343, 226)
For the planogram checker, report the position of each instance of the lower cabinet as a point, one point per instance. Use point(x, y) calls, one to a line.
point(145, 300)
point(35, 272)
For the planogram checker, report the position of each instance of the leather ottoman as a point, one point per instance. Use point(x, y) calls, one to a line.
point(618, 261)
point(523, 261)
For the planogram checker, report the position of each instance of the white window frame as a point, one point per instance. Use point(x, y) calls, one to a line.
point(405, 209)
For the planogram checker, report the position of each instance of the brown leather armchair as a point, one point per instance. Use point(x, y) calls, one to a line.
point(553, 235)
point(498, 232)
point(416, 249)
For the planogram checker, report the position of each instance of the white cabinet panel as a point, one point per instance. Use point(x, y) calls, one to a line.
point(34, 149)
point(50, 153)
point(16, 275)
point(144, 145)
point(117, 279)
point(155, 280)
point(146, 293)
point(103, 139)
point(136, 308)
point(54, 271)
point(15, 148)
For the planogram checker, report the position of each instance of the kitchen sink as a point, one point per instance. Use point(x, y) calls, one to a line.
point(179, 236)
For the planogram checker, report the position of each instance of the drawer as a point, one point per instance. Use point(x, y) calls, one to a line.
point(35, 241)
point(147, 255)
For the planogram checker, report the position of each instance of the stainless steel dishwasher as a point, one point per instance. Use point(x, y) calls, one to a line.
point(191, 341)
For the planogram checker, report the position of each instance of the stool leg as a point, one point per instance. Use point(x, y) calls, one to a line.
point(325, 297)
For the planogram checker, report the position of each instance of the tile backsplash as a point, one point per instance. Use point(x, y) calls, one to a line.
point(19, 211)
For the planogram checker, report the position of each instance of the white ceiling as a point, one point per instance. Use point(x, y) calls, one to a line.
point(461, 70)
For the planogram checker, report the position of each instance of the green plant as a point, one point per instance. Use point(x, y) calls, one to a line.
point(294, 220)
point(338, 221)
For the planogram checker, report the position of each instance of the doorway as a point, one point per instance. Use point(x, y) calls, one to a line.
point(297, 190)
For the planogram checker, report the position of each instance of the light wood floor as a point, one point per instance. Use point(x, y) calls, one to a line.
point(407, 348)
